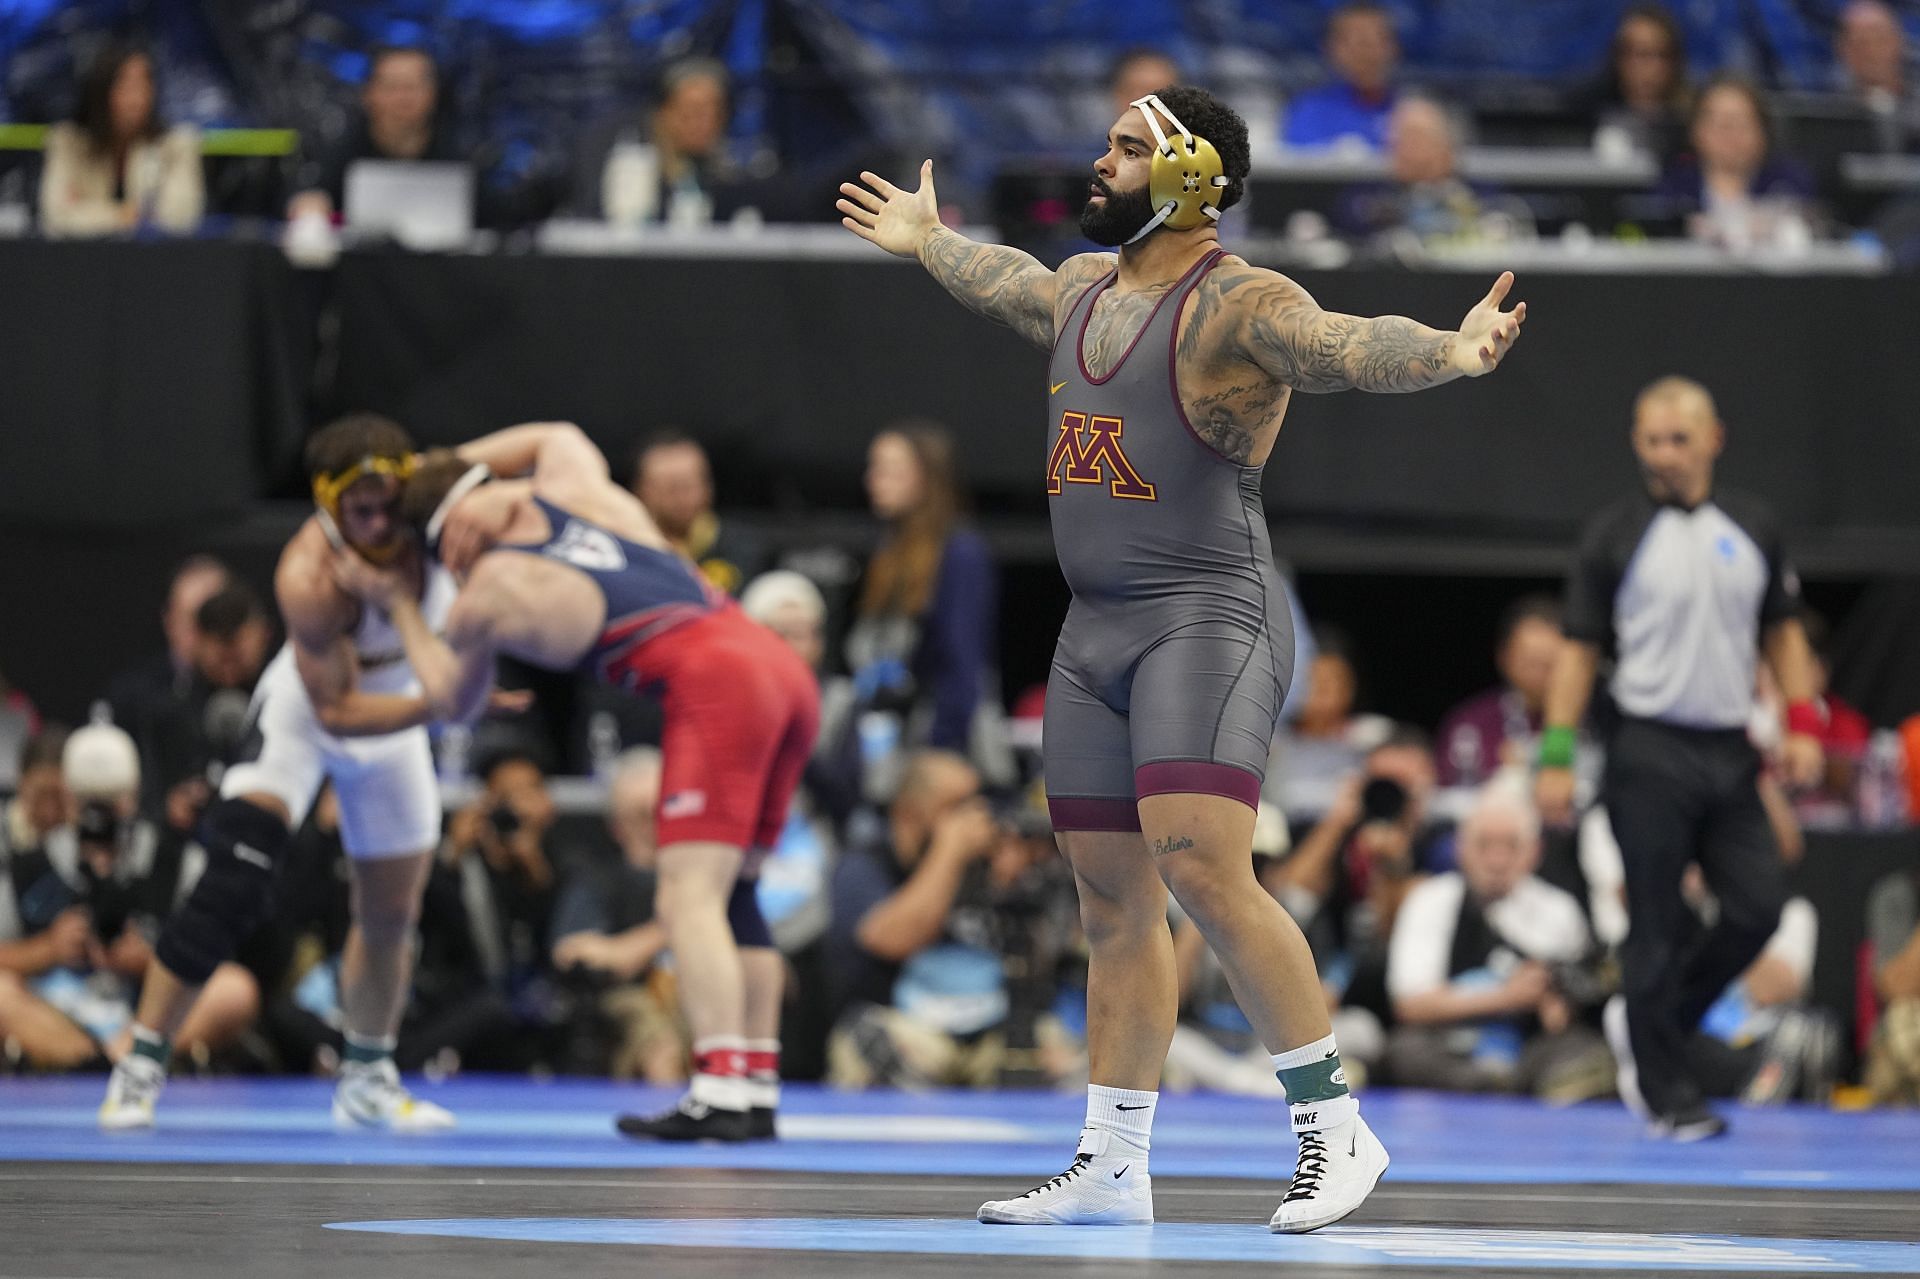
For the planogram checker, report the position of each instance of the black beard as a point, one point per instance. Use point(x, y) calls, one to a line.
point(1119, 219)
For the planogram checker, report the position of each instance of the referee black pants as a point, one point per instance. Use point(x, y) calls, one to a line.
point(1677, 796)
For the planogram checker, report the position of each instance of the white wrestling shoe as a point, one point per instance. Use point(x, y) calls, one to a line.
point(1338, 1168)
point(131, 1091)
point(370, 1095)
point(1107, 1185)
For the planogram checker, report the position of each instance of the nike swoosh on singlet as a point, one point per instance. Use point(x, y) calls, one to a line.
point(1056, 388)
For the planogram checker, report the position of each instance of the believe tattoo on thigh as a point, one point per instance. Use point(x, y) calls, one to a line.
point(1161, 847)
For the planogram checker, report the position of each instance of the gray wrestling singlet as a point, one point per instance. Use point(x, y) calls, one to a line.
point(1177, 650)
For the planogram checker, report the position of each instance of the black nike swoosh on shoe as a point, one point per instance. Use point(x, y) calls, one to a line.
point(1119, 1107)
point(1122, 1172)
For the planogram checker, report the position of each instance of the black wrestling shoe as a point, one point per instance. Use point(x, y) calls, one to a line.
point(689, 1121)
point(760, 1124)
point(1689, 1123)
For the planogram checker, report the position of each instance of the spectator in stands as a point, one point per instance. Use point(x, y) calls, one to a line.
point(793, 879)
point(1871, 49)
point(42, 801)
point(190, 738)
point(1845, 732)
point(673, 480)
point(117, 166)
point(1733, 190)
point(1327, 740)
point(1344, 882)
point(1893, 935)
point(674, 167)
point(1760, 1041)
point(1364, 53)
point(912, 944)
point(1425, 196)
point(1472, 968)
point(399, 120)
point(146, 694)
point(78, 913)
point(483, 928)
point(19, 724)
point(922, 642)
point(1499, 727)
point(604, 926)
point(790, 605)
point(1646, 97)
point(1138, 71)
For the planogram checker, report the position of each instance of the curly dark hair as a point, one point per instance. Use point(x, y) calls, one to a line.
point(340, 443)
point(1220, 124)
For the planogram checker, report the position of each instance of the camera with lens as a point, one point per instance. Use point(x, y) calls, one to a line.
point(98, 823)
point(1383, 799)
point(505, 821)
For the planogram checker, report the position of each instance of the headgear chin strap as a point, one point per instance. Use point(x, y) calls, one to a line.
point(330, 488)
point(1186, 177)
point(476, 475)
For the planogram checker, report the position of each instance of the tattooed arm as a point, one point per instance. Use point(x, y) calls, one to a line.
point(990, 279)
point(1283, 331)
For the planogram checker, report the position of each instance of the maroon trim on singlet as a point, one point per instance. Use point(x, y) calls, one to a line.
point(1093, 814)
point(1197, 777)
point(1080, 338)
point(1173, 374)
point(1078, 298)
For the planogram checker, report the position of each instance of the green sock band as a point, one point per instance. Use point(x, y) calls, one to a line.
point(365, 1052)
point(152, 1045)
point(1320, 1080)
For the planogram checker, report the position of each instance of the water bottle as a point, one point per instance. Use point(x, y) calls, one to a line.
point(1882, 791)
point(603, 743)
point(630, 188)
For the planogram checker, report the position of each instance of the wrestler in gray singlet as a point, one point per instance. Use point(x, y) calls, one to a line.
point(1178, 648)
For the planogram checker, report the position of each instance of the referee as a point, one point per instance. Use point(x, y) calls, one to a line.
point(1684, 586)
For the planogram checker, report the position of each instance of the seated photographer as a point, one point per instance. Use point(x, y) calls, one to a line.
point(606, 940)
point(1761, 1041)
point(925, 905)
point(1484, 969)
point(1344, 882)
point(79, 911)
point(481, 992)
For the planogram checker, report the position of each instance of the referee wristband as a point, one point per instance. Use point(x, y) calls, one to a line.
point(1557, 747)
point(1807, 717)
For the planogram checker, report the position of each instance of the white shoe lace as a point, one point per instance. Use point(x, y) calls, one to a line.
point(375, 1088)
point(135, 1085)
point(1310, 1169)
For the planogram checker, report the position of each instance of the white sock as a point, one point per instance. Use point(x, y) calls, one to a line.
point(763, 1086)
point(1127, 1114)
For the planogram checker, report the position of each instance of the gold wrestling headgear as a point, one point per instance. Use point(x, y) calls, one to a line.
point(1187, 176)
point(329, 489)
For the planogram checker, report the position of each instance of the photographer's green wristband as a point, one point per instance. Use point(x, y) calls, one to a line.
point(1557, 746)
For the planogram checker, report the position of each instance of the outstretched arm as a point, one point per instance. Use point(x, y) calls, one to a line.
point(1286, 333)
point(990, 279)
point(545, 450)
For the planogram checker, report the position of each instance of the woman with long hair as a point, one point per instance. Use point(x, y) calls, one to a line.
point(1645, 94)
point(1735, 189)
point(924, 629)
point(116, 166)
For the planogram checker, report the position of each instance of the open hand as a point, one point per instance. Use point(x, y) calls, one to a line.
point(895, 220)
point(1488, 333)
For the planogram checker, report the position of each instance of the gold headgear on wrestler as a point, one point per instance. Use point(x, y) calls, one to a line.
point(328, 489)
point(1187, 177)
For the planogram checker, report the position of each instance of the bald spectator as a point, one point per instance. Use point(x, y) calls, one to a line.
point(1472, 968)
point(673, 480)
point(1871, 48)
point(1364, 53)
point(1425, 195)
point(790, 605)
